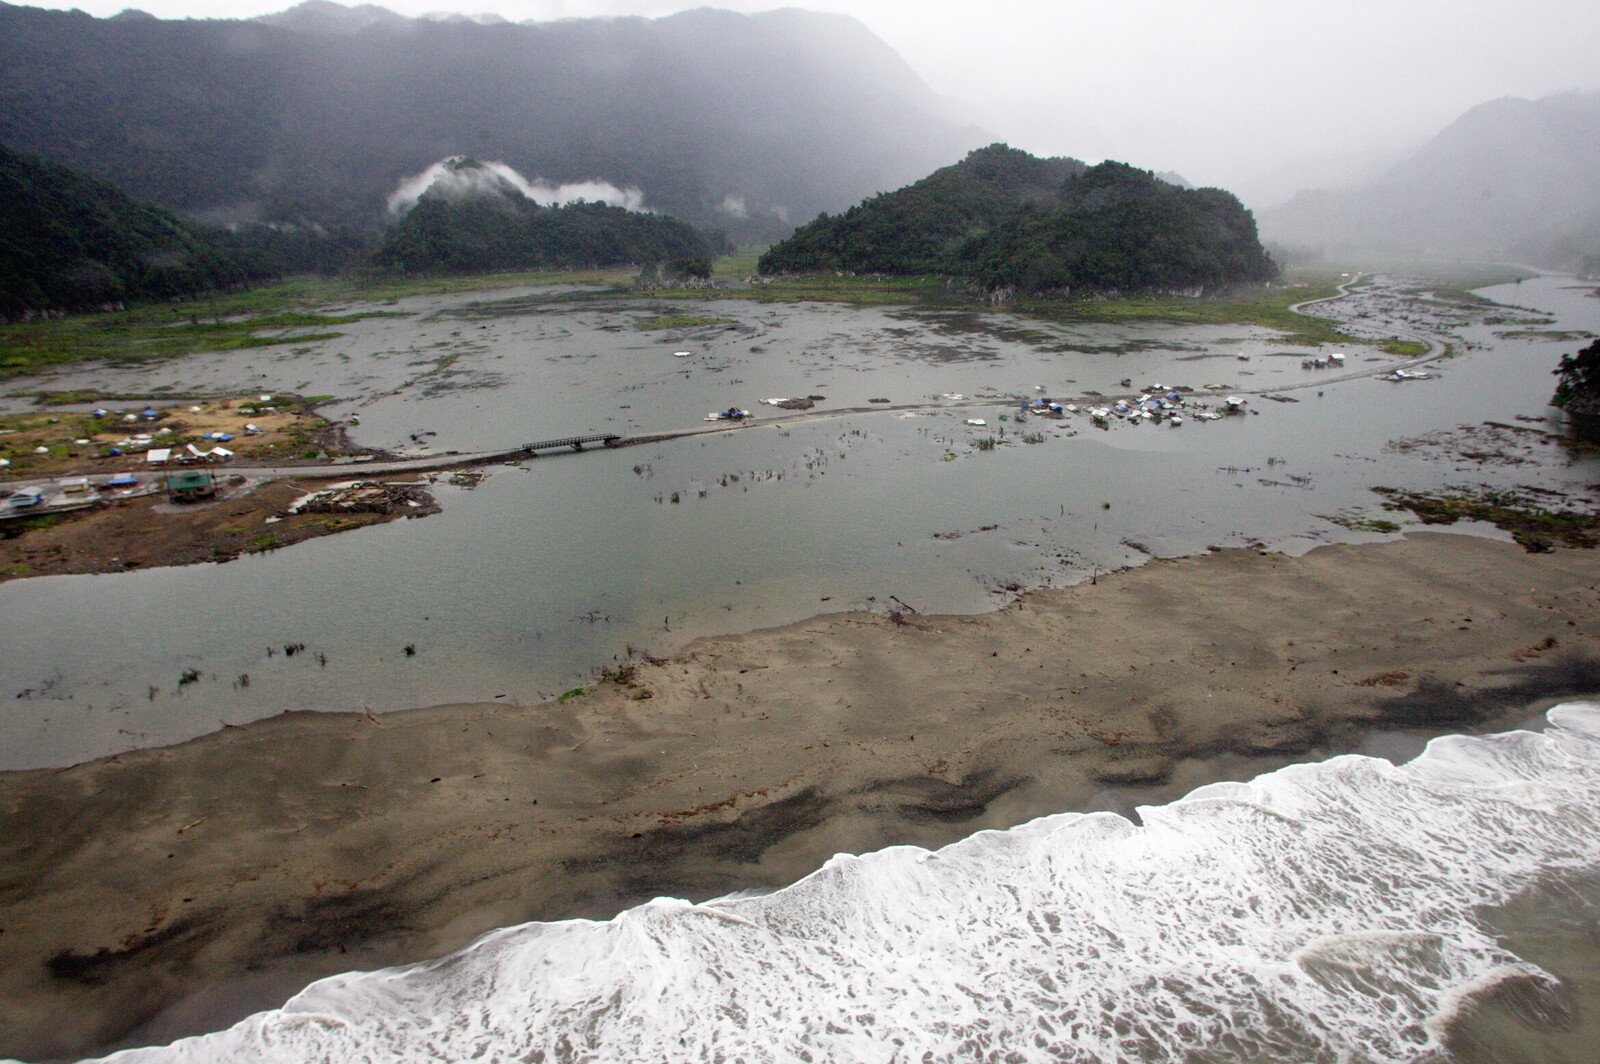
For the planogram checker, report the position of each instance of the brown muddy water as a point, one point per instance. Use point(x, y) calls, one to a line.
point(548, 571)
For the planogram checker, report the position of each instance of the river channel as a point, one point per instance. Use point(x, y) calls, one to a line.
point(547, 571)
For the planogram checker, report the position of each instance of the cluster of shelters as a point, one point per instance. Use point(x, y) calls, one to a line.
point(1155, 405)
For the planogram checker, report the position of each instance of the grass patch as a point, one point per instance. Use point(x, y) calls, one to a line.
point(740, 264)
point(857, 291)
point(1405, 348)
point(1560, 336)
point(16, 527)
point(285, 313)
point(1356, 521)
point(1459, 287)
point(271, 315)
point(1267, 307)
point(154, 333)
point(1535, 527)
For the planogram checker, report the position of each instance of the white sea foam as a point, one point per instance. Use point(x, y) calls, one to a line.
point(1321, 912)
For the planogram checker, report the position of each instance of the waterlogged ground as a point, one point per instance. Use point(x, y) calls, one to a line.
point(531, 581)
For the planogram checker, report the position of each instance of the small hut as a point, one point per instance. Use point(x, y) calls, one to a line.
point(190, 485)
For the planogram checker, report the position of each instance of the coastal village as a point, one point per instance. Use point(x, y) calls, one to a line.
point(118, 487)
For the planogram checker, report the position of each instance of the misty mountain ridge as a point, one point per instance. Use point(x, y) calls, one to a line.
point(1510, 179)
point(324, 17)
point(316, 114)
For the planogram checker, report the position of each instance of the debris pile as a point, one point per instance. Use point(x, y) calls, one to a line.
point(371, 497)
point(797, 403)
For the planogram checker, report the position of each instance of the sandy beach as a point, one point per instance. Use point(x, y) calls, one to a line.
point(165, 891)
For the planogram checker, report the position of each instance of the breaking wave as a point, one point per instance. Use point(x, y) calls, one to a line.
point(458, 177)
point(1321, 912)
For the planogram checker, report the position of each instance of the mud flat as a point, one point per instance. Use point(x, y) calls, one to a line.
point(148, 531)
point(166, 891)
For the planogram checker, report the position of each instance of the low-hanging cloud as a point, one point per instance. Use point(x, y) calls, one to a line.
point(458, 177)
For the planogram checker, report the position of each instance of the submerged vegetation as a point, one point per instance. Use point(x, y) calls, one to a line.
point(1536, 527)
point(159, 331)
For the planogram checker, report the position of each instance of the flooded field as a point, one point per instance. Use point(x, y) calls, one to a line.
point(545, 572)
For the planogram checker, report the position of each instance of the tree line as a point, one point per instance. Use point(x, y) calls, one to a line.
point(72, 242)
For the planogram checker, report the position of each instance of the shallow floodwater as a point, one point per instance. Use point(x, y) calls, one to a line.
point(529, 583)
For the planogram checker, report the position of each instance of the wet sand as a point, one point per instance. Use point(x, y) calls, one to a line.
point(164, 891)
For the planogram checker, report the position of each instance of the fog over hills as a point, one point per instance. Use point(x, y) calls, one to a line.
point(1510, 179)
point(744, 122)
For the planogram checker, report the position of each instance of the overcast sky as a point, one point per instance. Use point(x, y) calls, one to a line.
point(1261, 96)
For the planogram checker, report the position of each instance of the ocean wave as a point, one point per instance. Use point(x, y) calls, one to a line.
point(1322, 912)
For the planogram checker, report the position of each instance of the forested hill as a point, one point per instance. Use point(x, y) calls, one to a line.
point(731, 121)
point(496, 227)
point(1002, 218)
point(69, 242)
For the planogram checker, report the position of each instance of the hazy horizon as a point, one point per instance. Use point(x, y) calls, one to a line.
point(1258, 97)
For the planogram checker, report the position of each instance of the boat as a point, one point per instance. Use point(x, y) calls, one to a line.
point(733, 413)
point(680, 354)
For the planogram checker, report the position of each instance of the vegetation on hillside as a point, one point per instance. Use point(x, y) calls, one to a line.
point(1004, 219)
point(69, 242)
point(312, 116)
point(508, 231)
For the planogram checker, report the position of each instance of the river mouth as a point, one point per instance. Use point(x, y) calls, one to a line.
point(549, 570)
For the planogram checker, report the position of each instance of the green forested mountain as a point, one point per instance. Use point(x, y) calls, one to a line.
point(498, 228)
point(923, 227)
point(1002, 218)
point(730, 121)
point(70, 242)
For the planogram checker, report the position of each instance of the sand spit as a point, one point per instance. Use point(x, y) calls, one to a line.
point(163, 891)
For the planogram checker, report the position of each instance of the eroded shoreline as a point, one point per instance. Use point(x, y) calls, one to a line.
point(310, 843)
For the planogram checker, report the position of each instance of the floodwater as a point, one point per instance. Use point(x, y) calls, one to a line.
point(547, 571)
